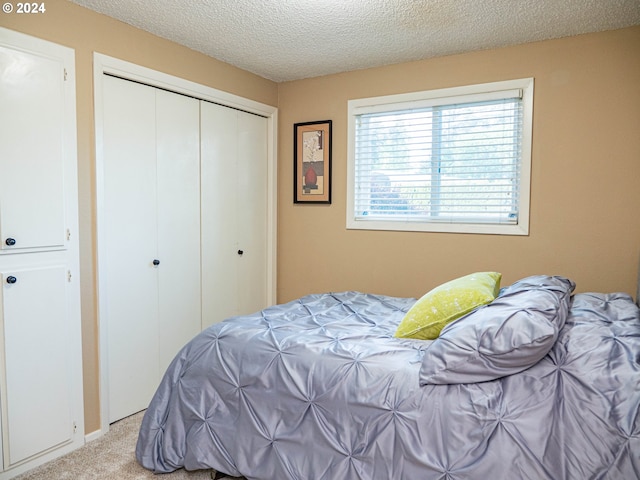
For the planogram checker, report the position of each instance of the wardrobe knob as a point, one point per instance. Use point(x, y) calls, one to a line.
point(11, 279)
point(10, 241)
point(156, 262)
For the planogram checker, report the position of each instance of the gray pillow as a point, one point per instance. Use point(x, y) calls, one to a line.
point(507, 336)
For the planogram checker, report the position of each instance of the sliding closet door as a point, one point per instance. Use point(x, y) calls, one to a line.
point(234, 212)
point(152, 242)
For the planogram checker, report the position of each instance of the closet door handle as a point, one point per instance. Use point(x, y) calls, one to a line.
point(10, 241)
point(11, 279)
point(156, 262)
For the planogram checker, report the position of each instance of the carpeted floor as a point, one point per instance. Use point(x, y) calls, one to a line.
point(110, 457)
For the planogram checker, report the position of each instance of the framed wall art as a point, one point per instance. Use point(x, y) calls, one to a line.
point(312, 162)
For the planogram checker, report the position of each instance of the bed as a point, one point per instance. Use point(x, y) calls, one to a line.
point(538, 383)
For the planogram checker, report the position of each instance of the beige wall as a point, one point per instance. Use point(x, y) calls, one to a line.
point(585, 190)
point(585, 196)
point(68, 24)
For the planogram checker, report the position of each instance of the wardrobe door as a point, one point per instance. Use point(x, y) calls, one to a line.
point(130, 224)
point(234, 212)
point(178, 167)
point(152, 236)
point(252, 215)
point(220, 249)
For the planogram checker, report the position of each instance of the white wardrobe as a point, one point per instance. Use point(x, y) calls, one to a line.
point(40, 332)
point(184, 228)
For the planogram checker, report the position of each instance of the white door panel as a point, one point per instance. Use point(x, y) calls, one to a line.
point(220, 246)
point(234, 212)
point(152, 215)
point(252, 212)
point(36, 370)
point(131, 244)
point(31, 150)
point(178, 211)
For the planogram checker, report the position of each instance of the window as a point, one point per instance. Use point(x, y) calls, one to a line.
point(450, 160)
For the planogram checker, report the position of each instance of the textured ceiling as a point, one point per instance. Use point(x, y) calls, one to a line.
point(292, 39)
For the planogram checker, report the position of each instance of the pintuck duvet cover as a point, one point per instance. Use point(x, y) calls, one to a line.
point(538, 384)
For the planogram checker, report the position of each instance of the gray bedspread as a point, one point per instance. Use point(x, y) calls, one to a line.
point(319, 388)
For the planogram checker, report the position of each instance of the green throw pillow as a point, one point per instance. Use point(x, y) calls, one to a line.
point(447, 303)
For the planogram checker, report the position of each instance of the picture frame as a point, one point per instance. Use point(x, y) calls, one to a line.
point(312, 162)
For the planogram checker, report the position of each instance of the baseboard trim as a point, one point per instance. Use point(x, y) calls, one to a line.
point(89, 437)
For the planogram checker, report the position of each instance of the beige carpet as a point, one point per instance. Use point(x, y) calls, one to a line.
point(110, 457)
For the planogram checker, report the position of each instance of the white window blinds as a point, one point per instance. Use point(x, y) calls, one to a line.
point(440, 160)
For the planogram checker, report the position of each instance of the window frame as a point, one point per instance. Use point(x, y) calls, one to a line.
point(444, 95)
